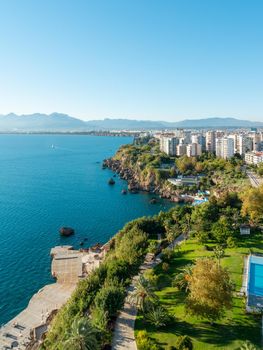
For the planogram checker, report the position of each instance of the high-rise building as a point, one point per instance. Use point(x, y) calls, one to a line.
point(228, 147)
point(187, 136)
point(198, 138)
point(193, 150)
point(244, 144)
point(219, 147)
point(210, 141)
point(225, 147)
point(168, 145)
point(181, 149)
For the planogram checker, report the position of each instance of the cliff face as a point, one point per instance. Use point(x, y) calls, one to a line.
point(143, 178)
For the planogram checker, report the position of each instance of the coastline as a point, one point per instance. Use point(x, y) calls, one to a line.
point(136, 184)
point(68, 267)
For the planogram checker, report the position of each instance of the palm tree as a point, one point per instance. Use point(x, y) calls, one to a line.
point(157, 316)
point(184, 343)
point(247, 346)
point(81, 336)
point(143, 292)
point(182, 279)
point(171, 236)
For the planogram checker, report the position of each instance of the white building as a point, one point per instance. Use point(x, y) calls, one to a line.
point(219, 147)
point(225, 147)
point(168, 145)
point(200, 139)
point(210, 141)
point(254, 157)
point(244, 144)
point(181, 149)
point(193, 150)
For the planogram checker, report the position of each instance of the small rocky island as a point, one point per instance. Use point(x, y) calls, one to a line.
point(66, 231)
point(111, 181)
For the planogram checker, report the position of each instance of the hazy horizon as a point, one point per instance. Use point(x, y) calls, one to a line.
point(135, 118)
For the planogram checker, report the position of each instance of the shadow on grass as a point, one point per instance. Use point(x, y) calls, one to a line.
point(217, 334)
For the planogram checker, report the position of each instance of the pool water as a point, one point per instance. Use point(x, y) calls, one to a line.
point(255, 286)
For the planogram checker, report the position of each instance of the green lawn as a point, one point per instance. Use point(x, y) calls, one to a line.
point(228, 333)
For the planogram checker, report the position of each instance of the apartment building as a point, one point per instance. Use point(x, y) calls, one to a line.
point(168, 145)
point(225, 147)
point(210, 141)
point(254, 157)
point(193, 150)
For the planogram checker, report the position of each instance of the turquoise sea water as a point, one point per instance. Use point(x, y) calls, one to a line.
point(43, 188)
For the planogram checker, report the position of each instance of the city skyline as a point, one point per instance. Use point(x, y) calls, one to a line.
point(137, 60)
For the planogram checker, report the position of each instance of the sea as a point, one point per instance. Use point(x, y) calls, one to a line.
point(50, 181)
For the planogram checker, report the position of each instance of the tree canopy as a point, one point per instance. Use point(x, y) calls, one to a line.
point(210, 290)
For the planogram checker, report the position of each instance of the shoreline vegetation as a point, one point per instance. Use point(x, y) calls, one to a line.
point(89, 316)
point(146, 168)
point(213, 229)
point(214, 226)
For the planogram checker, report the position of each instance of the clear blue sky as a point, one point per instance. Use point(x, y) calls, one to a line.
point(139, 59)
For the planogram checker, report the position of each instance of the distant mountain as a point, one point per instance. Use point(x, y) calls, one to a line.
point(217, 123)
point(40, 122)
point(126, 124)
point(63, 122)
point(187, 123)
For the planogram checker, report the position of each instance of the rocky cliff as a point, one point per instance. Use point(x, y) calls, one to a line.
point(143, 178)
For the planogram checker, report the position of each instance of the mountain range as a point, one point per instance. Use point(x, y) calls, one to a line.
point(58, 122)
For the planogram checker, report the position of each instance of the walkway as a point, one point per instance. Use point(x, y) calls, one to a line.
point(68, 266)
point(123, 338)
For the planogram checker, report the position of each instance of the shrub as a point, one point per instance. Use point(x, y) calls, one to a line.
point(144, 342)
point(184, 343)
point(110, 299)
point(231, 242)
point(167, 255)
point(119, 269)
point(157, 316)
point(152, 277)
point(165, 266)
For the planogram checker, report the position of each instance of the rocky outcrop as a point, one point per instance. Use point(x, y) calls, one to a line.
point(142, 180)
point(66, 231)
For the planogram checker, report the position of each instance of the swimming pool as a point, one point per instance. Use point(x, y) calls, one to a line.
point(255, 281)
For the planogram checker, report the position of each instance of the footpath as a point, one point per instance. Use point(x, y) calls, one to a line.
point(124, 338)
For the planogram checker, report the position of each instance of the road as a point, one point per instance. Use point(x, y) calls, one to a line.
point(255, 180)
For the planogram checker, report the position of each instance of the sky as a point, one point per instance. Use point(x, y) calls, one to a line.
point(137, 59)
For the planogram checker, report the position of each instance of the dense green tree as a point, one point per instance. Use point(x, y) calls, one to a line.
point(131, 245)
point(221, 230)
point(252, 204)
point(185, 164)
point(210, 290)
point(219, 252)
point(110, 299)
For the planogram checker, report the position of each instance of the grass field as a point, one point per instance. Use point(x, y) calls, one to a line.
point(228, 333)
